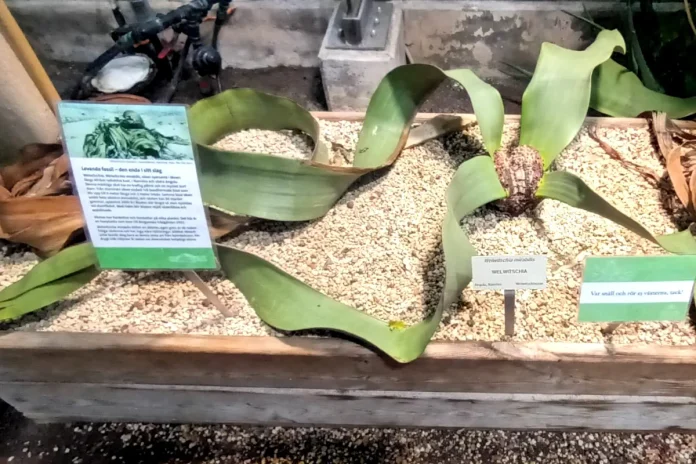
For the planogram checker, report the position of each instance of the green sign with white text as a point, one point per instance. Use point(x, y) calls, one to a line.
point(637, 288)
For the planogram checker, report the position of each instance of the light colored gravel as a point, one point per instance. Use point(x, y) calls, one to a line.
point(340, 138)
point(378, 249)
point(567, 236)
point(288, 144)
point(131, 443)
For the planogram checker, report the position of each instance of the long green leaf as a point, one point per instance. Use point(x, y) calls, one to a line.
point(286, 303)
point(255, 184)
point(555, 103)
point(64, 263)
point(49, 281)
point(616, 91)
point(271, 187)
point(46, 294)
point(570, 189)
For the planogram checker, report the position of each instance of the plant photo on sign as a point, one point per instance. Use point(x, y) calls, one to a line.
point(268, 186)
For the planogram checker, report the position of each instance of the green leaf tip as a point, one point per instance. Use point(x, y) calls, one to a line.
point(555, 103)
point(618, 92)
point(571, 190)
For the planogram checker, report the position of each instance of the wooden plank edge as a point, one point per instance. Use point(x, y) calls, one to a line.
point(71, 402)
point(327, 347)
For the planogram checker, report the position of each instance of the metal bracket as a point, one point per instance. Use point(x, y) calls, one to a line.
point(360, 25)
point(509, 298)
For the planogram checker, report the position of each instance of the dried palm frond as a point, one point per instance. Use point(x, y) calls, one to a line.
point(678, 148)
point(37, 207)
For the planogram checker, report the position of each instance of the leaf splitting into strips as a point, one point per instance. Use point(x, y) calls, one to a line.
point(284, 189)
point(571, 190)
point(555, 103)
point(286, 303)
point(272, 187)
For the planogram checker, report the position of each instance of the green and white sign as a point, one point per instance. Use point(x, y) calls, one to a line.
point(134, 170)
point(637, 288)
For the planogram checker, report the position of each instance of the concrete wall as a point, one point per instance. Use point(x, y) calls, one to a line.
point(262, 33)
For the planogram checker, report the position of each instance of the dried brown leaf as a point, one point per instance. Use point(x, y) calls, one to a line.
point(53, 180)
point(44, 223)
point(689, 160)
point(664, 138)
point(32, 158)
point(676, 147)
point(692, 186)
point(676, 175)
point(62, 167)
point(222, 223)
point(42, 184)
point(22, 186)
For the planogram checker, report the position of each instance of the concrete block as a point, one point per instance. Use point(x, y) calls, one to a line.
point(351, 76)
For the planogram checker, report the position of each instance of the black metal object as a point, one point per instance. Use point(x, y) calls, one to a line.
point(142, 9)
point(206, 61)
point(355, 20)
point(360, 25)
point(186, 18)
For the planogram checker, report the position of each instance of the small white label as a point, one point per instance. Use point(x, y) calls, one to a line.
point(508, 272)
point(636, 292)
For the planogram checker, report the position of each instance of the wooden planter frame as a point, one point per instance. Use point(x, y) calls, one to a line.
point(58, 376)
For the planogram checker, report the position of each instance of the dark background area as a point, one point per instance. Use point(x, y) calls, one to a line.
point(302, 85)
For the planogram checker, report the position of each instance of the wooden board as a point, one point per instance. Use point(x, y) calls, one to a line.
point(309, 381)
point(301, 407)
point(302, 381)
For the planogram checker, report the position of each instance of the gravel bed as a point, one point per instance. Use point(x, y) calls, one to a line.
point(378, 249)
point(286, 143)
point(143, 443)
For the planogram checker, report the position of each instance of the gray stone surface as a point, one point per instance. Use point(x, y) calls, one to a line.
point(262, 33)
point(486, 36)
point(351, 76)
point(478, 34)
point(265, 33)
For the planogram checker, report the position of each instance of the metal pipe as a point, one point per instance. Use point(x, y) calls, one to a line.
point(509, 298)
